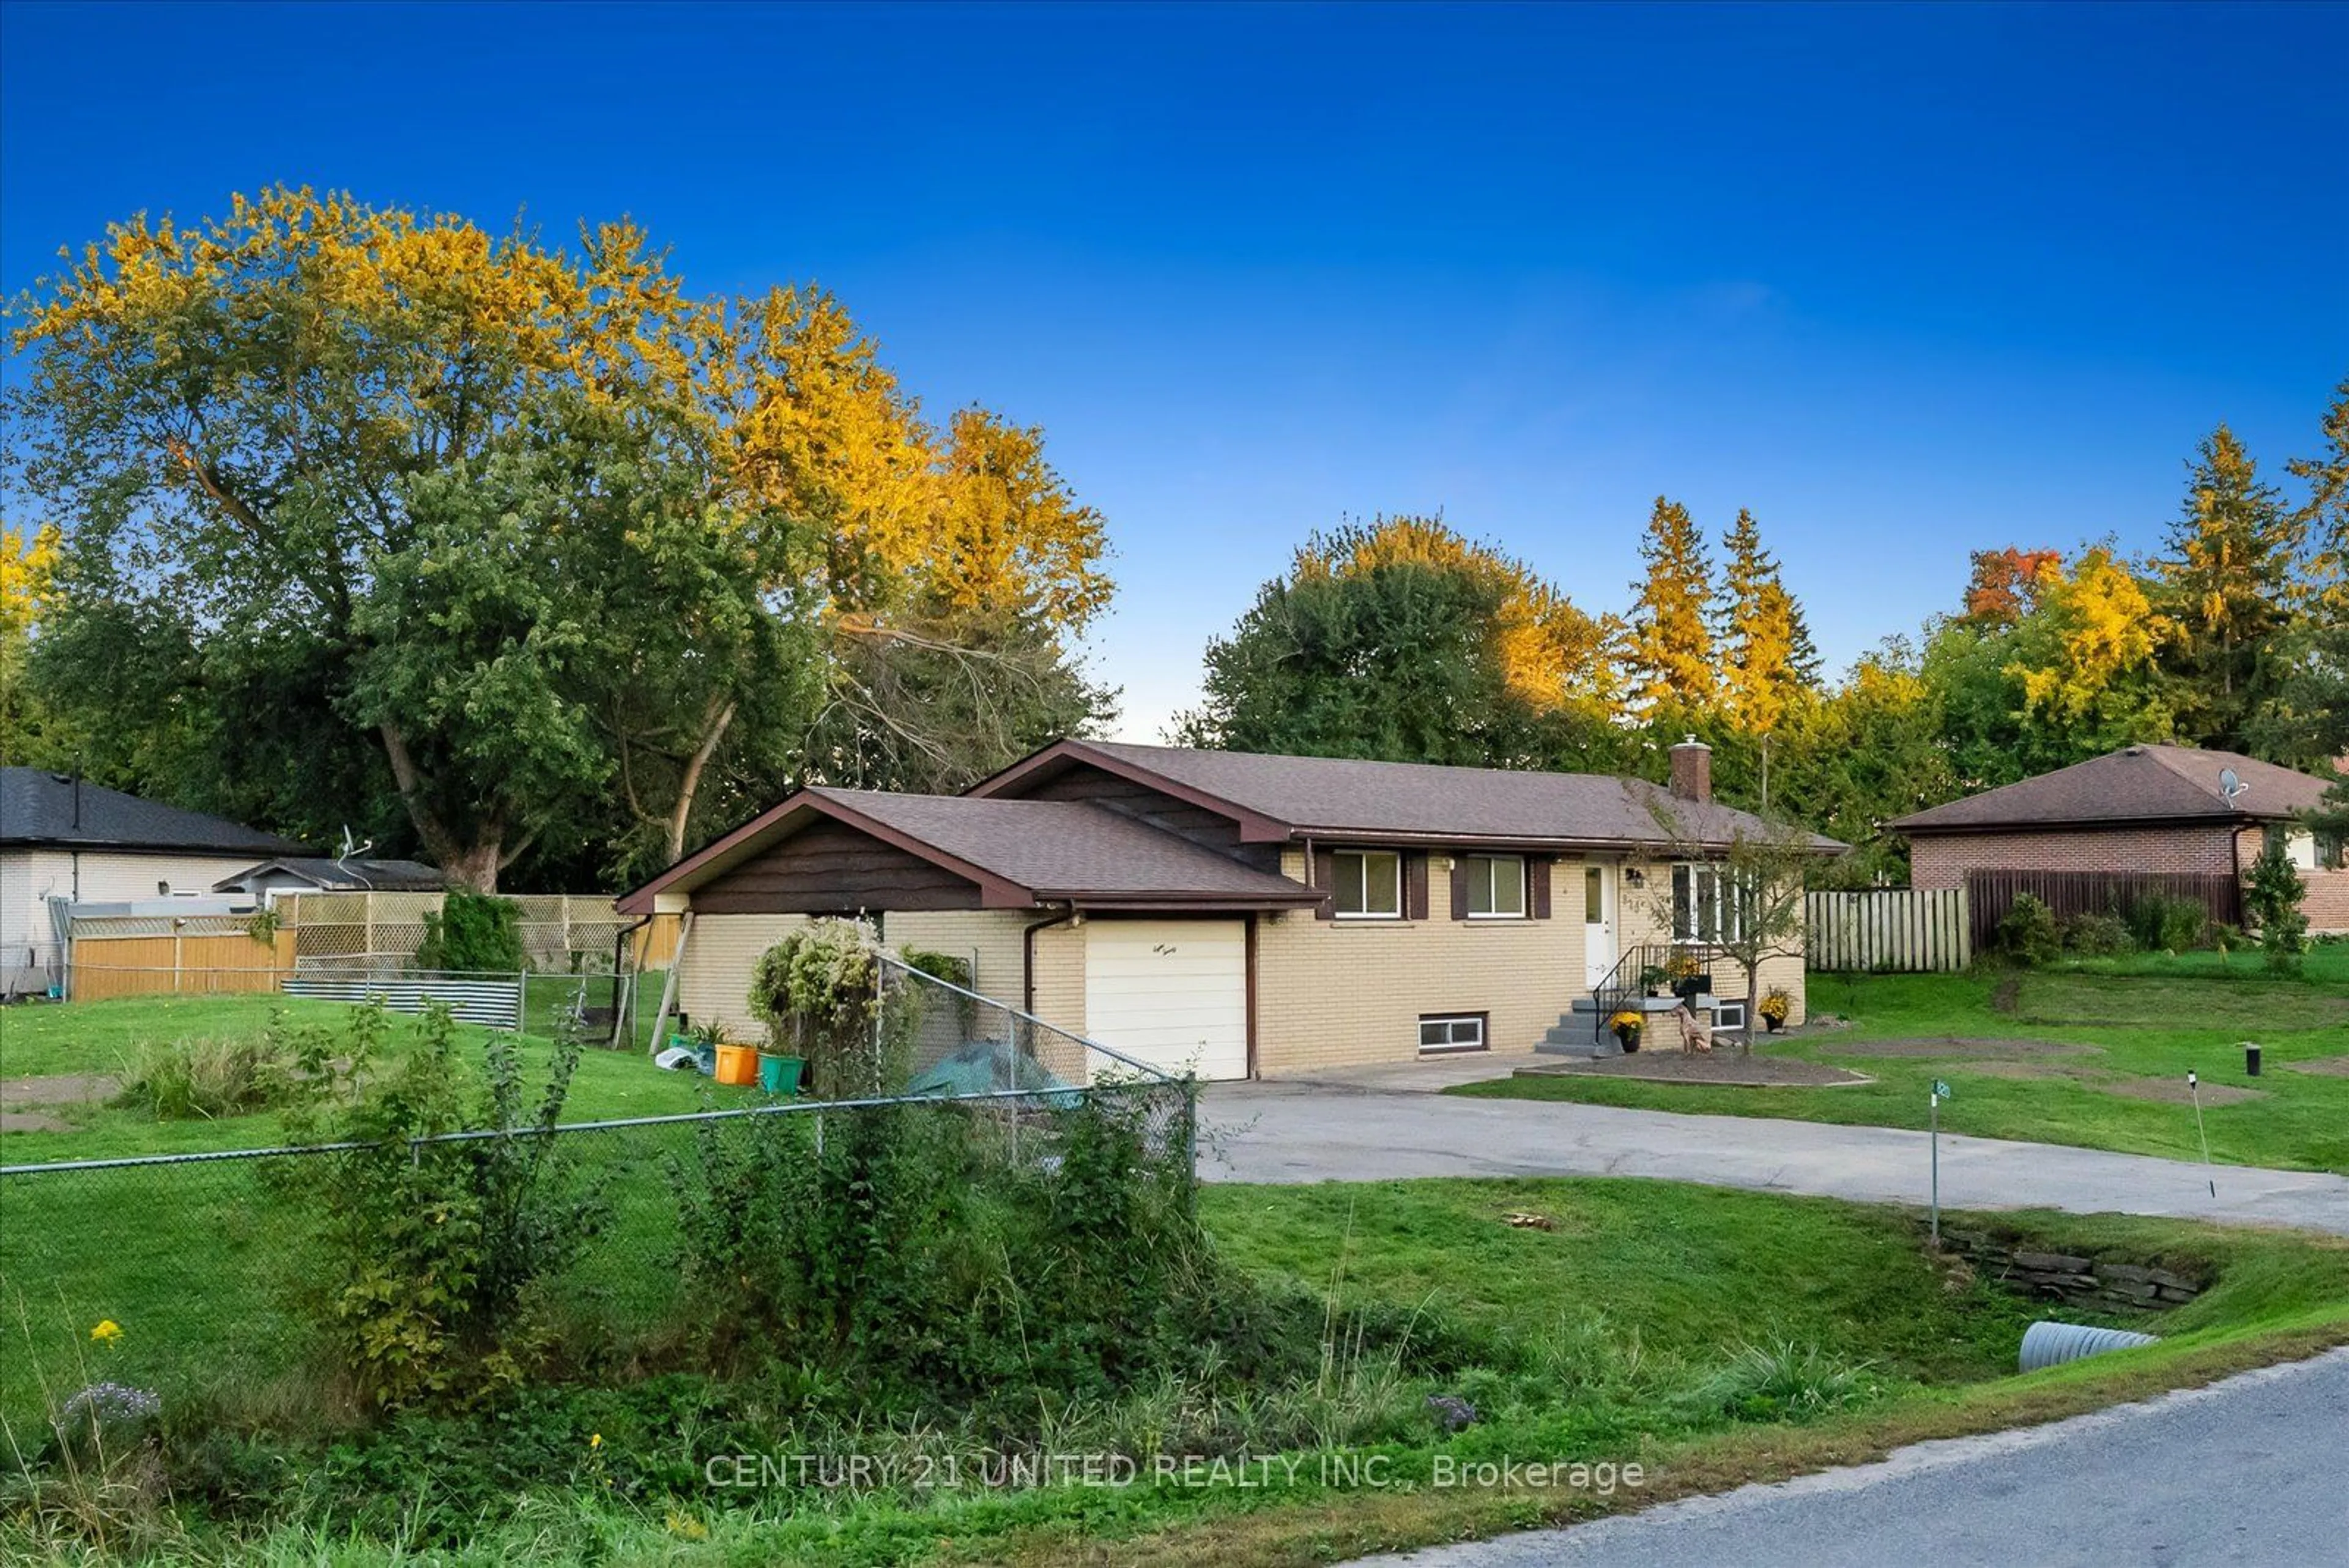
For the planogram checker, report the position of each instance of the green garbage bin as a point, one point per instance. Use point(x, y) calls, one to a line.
point(781, 1075)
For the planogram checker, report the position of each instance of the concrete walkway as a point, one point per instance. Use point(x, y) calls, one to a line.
point(1372, 1123)
point(2244, 1471)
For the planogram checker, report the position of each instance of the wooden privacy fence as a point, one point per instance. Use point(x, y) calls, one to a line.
point(198, 955)
point(2072, 893)
point(1887, 930)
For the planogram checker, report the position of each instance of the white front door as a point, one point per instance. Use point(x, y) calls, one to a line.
point(1598, 923)
point(1171, 993)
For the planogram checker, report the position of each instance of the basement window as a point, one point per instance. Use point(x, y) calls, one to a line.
point(1440, 1034)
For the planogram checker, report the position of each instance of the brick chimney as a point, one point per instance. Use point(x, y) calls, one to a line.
point(1692, 770)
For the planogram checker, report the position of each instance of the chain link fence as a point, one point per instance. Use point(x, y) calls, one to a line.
point(219, 1267)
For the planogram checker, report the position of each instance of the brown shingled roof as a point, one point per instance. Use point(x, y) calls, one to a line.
point(1060, 849)
point(1334, 796)
point(1018, 851)
point(2135, 784)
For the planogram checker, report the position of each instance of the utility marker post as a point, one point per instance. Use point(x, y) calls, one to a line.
point(2194, 1092)
point(1933, 1111)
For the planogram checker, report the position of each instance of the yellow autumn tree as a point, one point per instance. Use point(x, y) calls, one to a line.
point(2087, 655)
point(29, 565)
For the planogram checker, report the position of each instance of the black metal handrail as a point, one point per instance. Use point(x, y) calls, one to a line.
point(1623, 984)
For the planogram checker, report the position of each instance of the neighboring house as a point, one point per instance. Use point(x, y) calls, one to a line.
point(2159, 809)
point(1239, 913)
point(63, 838)
point(320, 874)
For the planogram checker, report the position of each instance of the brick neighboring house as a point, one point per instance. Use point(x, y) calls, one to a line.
point(2142, 809)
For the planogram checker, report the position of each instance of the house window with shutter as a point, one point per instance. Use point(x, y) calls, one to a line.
point(1367, 884)
point(1497, 886)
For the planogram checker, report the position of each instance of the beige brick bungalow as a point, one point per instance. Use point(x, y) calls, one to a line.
point(1241, 914)
point(2141, 811)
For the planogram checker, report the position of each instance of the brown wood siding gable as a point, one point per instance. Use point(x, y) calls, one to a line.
point(830, 867)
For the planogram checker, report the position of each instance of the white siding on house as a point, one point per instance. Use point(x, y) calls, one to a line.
point(29, 877)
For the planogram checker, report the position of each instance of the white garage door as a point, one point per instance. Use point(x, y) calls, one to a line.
point(1173, 993)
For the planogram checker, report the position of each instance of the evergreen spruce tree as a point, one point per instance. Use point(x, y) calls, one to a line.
point(1767, 657)
point(2228, 577)
point(2324, 518)
point(1673, 663)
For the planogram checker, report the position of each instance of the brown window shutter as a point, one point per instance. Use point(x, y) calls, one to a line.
point(1460, 886)
point(1537, 886)
point(1325, 882)
point(1414, 875)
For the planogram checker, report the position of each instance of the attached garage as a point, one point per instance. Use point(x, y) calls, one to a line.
point(1172, 994)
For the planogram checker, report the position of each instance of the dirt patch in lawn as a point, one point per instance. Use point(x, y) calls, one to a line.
point(2173, 1091)
point(2326, 1066)
point(1721, 1067)
point(1951, 1046)
point(57, 1089)
point(31, 1121)
point(2022, 1070)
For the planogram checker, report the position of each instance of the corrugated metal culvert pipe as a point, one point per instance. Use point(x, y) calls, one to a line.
point(2048, 1344)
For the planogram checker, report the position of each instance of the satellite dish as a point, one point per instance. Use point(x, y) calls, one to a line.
point(2229, 786)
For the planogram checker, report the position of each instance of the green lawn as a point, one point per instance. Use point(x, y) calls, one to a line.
point(1608, 1337)
point(2151, 1019)
point(1622, 1325)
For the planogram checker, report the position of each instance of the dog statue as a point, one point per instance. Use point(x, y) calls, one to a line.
point(1695, 1035)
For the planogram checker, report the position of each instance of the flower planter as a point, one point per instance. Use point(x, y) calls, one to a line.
point(781, 1074)
point(1628, 1039)
point(738, 1065)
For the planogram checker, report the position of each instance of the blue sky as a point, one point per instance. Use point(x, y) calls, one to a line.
point(1908, 281)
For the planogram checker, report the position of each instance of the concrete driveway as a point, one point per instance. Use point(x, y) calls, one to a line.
point(1371, 1124)
point(2244, 1471)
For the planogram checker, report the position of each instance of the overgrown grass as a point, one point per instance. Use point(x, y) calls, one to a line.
point(2151, 1019)
point(1712, 1337)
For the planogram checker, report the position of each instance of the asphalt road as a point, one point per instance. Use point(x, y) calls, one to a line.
point(2248, 1472)
point(1370, 1126)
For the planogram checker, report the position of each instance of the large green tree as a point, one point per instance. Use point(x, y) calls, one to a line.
point(1400, 661)
point(500, 549)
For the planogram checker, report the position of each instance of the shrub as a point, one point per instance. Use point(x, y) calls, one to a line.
point(918, 1253)
point(2272, 897)
point(2028, 934)
point(473, 933)
point(434, 1251)
point(818, 991)
point(2161, 923)
point(2096, 935)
